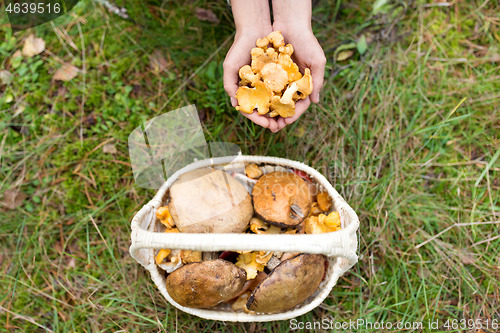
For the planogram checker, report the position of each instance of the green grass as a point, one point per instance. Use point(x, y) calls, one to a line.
point(408, 133)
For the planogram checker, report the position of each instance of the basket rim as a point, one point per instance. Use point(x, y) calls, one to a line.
point(338, 265)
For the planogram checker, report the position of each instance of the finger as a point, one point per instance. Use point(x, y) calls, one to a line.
point(257, 118)
point(230, 80)
point(300, 107)
point(281, 123)
point(273, 125)
point(318, 75)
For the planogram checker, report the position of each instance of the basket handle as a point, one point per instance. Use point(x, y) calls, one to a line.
point(336, 244)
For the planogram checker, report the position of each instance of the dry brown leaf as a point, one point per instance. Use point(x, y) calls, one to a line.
point(157, 62)
point(206, 15)
point(13, 199)
point(33, 46)
point(109, 148)
point(66, 73)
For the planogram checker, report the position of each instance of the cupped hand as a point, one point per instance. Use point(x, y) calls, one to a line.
point(238, 56)
point(307, 53)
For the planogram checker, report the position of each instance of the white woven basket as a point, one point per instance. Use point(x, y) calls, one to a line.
point(340, 246)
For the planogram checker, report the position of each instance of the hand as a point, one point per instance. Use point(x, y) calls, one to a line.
point(308, 53)
point(237, 57)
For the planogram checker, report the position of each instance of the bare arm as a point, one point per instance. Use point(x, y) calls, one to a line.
point(253, 20)
point(293, 19)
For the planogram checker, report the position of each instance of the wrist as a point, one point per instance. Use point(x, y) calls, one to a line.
point(253, 32)
point(292, 16)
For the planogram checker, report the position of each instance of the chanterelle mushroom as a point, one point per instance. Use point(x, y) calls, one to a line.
point(247, 76)
point(254, 98)
point(304, 86)
point(282, 199)
point(288, 49)
point(207, 200)
point(260, 58)
point(276, 38)
point(283, 109)
point(290, 67)
point(274, 76)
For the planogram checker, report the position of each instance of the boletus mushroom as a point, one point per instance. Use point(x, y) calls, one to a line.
point(290, 283)
point(205, 284)
point(207, 200)
point(282, 199)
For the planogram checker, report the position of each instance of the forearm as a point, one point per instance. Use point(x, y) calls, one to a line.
point(251, 16)
point(294, 15)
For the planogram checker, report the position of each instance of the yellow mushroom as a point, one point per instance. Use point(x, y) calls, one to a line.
point(304, 86)
point(276, 38)
point(253, 171)
point(322, 223)
point(285, 110)
point(290, 67)
point(248, 262)
point(188, 256)
point(274, 76)
point(254, 98)
point(260, 58)
point(247, 76)
point(286, 49)
point(165, 218)
point(324, 201)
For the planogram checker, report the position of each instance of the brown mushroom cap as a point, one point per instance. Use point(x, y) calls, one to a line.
point(282, 199)
point(205, 284)
point(207, 200)
point(290, 283)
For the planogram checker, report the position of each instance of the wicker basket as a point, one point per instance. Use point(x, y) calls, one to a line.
point(340, 246)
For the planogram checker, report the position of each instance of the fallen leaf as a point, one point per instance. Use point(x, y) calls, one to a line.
point(71, 263)
point(157, 62)
point(109, 148)
point(343, 55)
point(33, 46)
point(13, 199)
point(5, 77)
point(362, 45)
point(19, 110)
point(66, 73)
point(299, 132)
point(377, 5)
point(16, 54)
point(206, 15)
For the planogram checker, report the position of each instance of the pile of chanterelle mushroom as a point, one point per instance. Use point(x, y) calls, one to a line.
point(272, 83)
point(264, 199)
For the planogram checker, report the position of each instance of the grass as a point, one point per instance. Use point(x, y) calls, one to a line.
point(408, 133)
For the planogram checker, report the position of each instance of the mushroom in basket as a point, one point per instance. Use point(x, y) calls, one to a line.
point(282, 199)
point(208, 200)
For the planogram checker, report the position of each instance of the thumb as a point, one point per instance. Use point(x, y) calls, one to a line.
point(318, 74)
point(230, 79)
